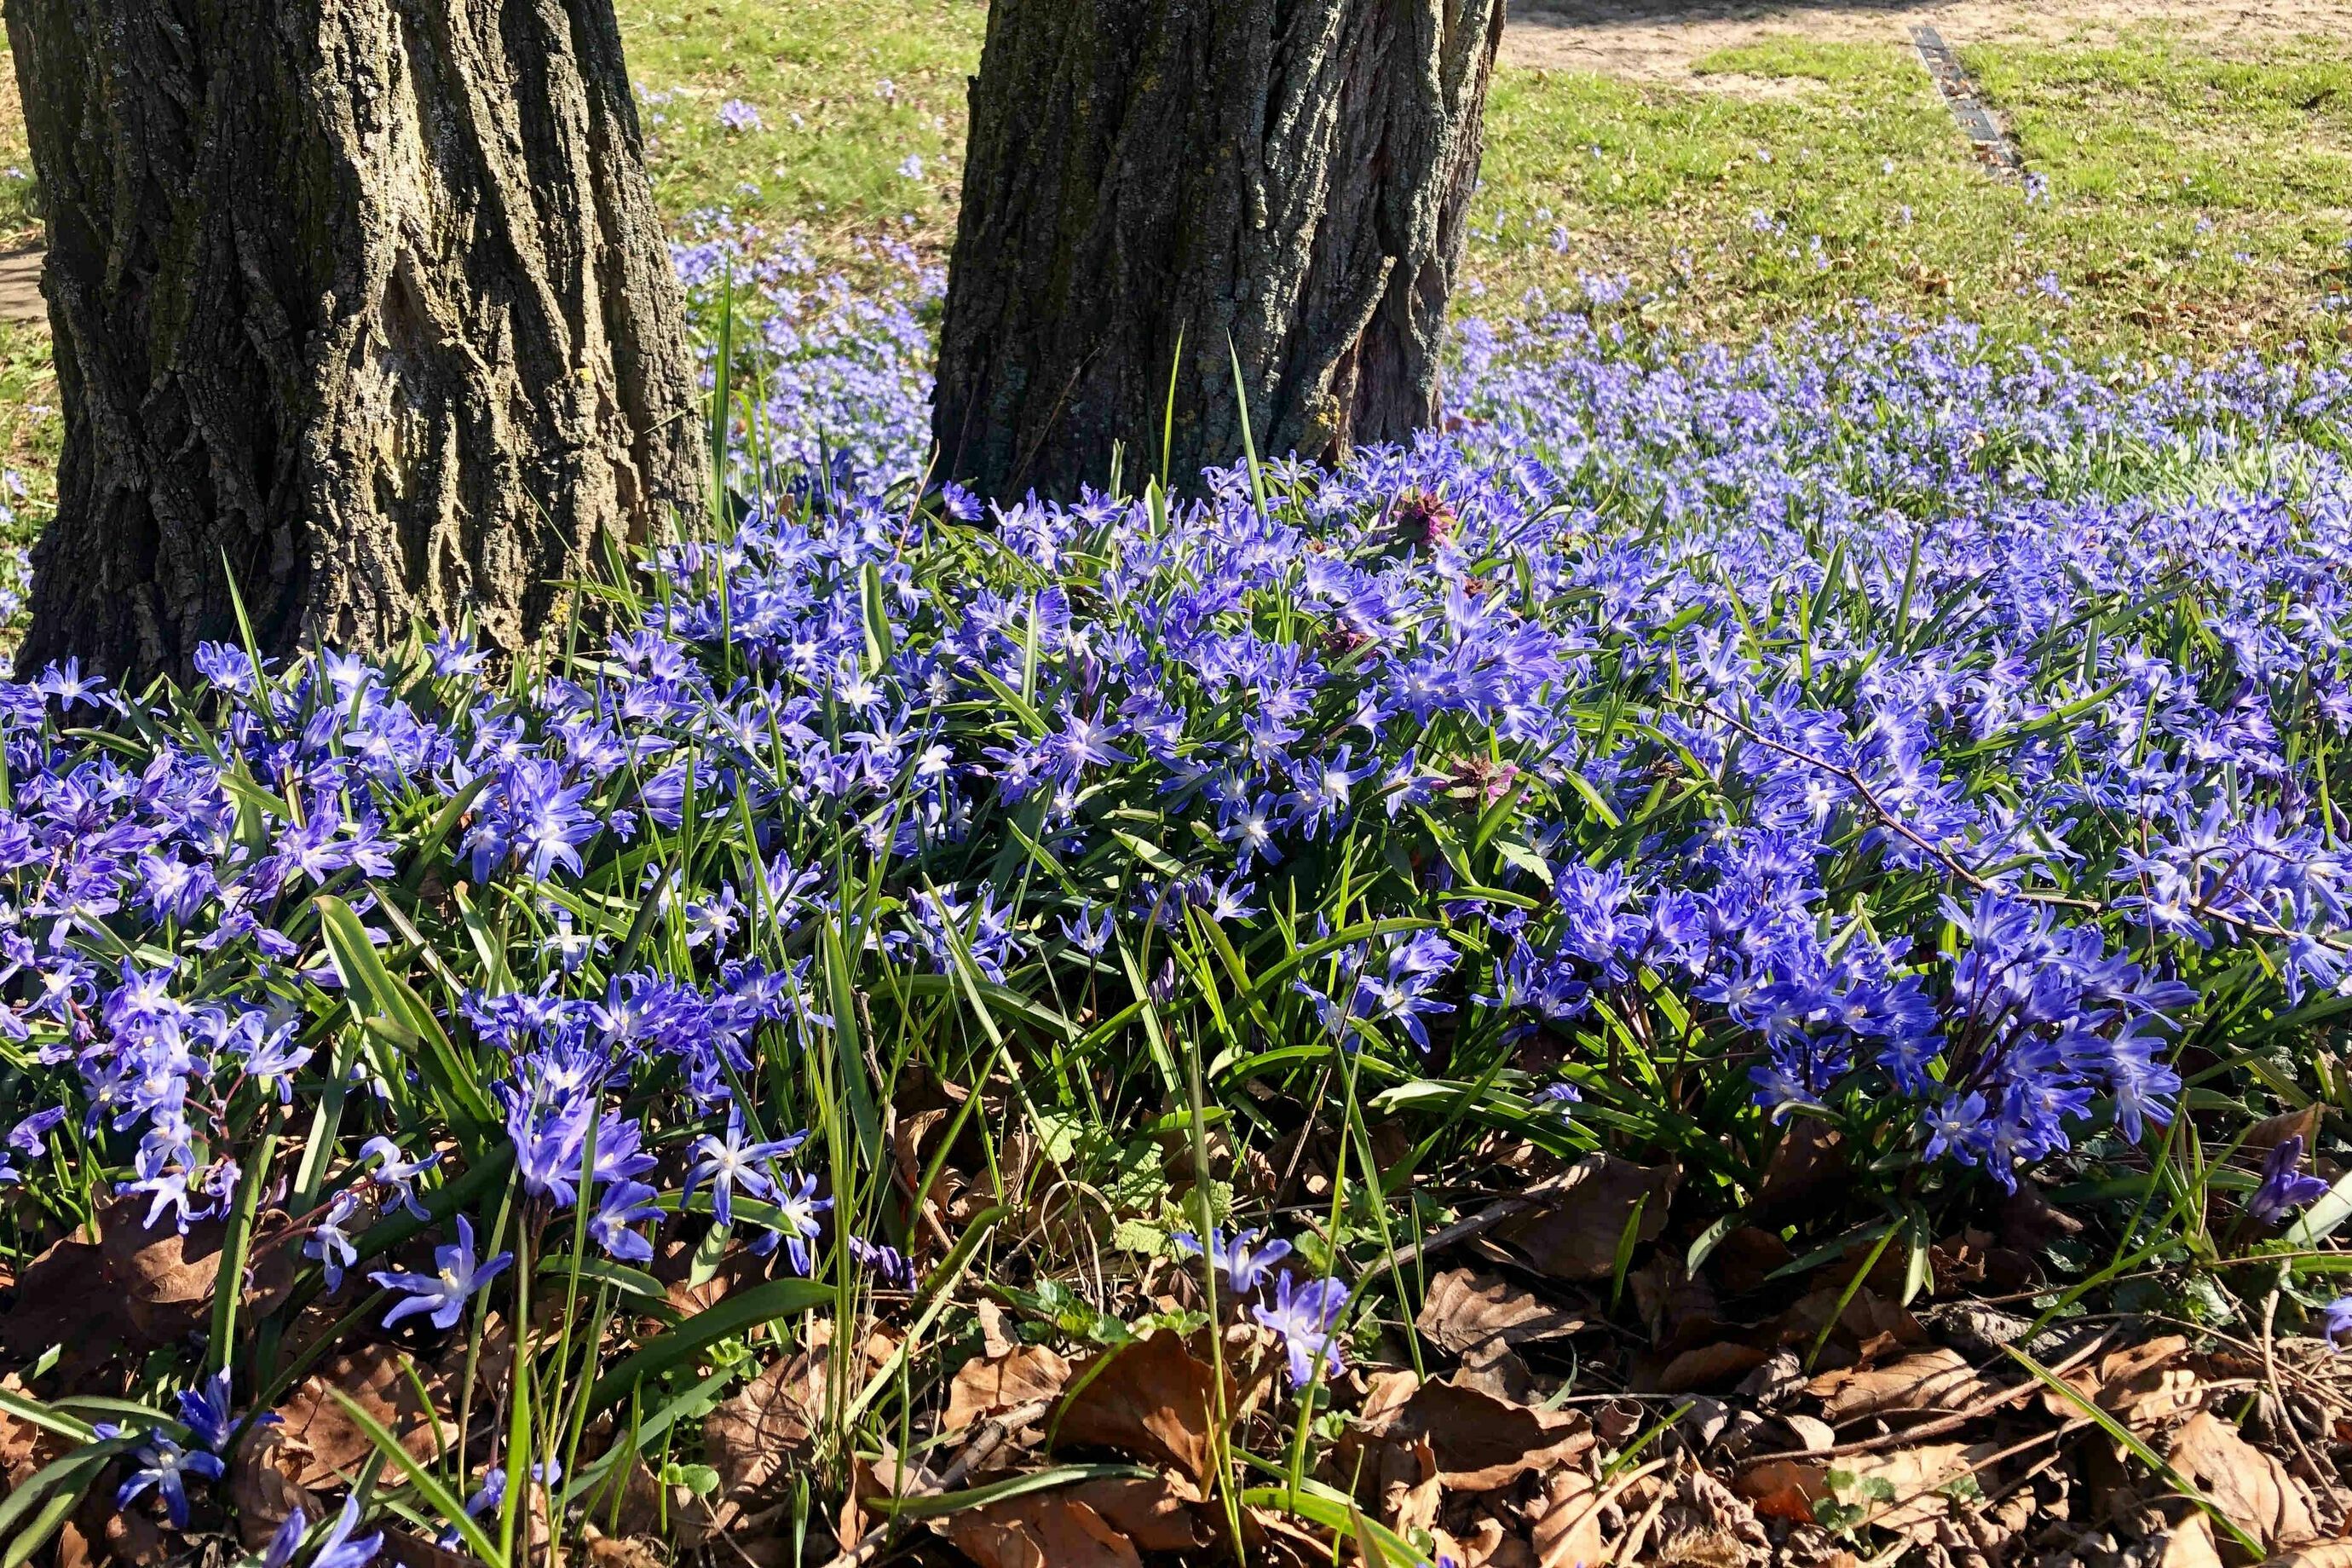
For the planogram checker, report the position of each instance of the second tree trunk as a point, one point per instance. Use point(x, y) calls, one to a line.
point(1291, 178)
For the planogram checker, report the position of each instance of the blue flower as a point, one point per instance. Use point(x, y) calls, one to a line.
point(625, 1204)
point(797, 1206)
point(1305, 1317)
point(886, 1264)
point(340, 1548)
point(287, 1540)
point(728, 1163)
point(330, 1242)
point(206, 1411)
point(1244, 1263)
point(442, 1296)
point(2284, 1188)
point(2335, 1320)
point(395, 1172)
point(163, 1467)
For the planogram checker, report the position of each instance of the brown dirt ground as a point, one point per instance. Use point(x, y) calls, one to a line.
point(1656, 40)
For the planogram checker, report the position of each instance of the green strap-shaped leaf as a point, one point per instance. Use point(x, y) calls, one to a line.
point(428, 1486)
point(744, 1309)
point(377, 994)
point(933, 1505)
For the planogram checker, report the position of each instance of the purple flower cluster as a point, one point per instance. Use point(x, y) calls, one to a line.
point(1867, 726)
point(1305, 1314)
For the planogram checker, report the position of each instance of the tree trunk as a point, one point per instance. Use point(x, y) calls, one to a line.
point(1290, 177)
point(366, 298)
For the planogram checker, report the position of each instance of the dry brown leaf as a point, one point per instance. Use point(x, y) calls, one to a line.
point(1914, 1474)
point(1568, 1532)
point(2318, 1554)
point(646, 1508)
point(1467, 1312)
point(1703, 1523)
point(63, 1299)
point(165, 1277)
point(2029, 1222)
point(262, 1486)
point(2190, 1544)
point(624, 1550)
point(889, 1475)
point(765, 1433)
point(1050, 1530)
point(1867, 1323)
point(1489, 1545)
point(1582, 1214)
point(1937, 1379)
point(2145, 1384)
point(995, 1338)
point(2250, 1486)
point(1747, 1259)
point(1386, 1393)
point(674, 1266)
point(411, 1551)
point(1709, 1366)
point(989, 1385)
point(24, 1447)
point(1808, 1154)
point(1811, 1434)
point(1780, 1379)
point(1680, 1311)
point(1482, 1442)
point(135, 1541)
point(1784, 1488)
point(331, 1447)
point(1165, 1513)
point(1153, 1400)
point(1496, 1369)
point(1273, 1541)
point(2272, 1131)
point(1396, 1479)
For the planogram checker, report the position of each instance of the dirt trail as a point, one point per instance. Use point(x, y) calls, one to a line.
point(1656, 40)
point(20, 286)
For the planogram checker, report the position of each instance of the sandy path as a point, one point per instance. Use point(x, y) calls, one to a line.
point(1656, 40)
point(20, 286)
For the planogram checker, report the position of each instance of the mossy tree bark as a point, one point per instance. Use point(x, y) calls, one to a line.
point(1291, 177)
point(366, 298)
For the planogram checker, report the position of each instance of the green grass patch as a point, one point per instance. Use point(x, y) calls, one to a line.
point(860, 106)
point(2182, 202)
point(1811, 60)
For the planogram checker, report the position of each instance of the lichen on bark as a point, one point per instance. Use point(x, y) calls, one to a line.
point(361, 303)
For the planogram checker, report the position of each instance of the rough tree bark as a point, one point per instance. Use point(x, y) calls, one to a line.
point(1292, 177)
point(367, 299)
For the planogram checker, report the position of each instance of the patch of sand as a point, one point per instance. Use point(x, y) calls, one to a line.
point(20, 286)
point(1656, 40)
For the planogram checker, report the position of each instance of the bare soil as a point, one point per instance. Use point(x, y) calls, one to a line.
point(1658, 40)
point(20, 286)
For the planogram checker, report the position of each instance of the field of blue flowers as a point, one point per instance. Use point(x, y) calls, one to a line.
point(1440, 1010)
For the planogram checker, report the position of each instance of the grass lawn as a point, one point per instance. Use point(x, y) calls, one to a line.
point(857, 110)
point(2175, 201)
point(2181, 200)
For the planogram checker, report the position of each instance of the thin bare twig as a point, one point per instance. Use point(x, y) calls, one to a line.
point(1937, 1428)
point(986, 1441)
